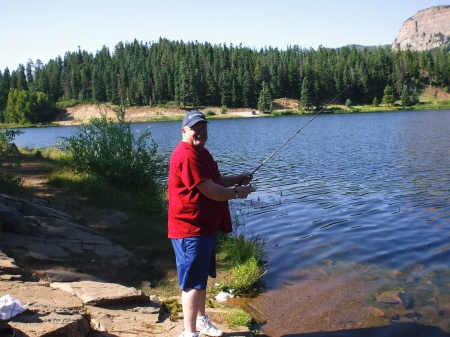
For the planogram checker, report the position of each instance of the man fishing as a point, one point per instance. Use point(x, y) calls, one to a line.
point(198, 208)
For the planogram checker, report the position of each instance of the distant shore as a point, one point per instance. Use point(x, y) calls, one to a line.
point(83, 113)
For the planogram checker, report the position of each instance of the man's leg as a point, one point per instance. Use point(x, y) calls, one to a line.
point(193, 301)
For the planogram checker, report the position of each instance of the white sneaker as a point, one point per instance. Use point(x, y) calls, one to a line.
point(205, 327)
point(193, 334)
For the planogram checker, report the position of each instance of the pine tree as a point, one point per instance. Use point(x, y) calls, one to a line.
point(406, 99)
point(375, 101)
point(265, 99)
point(388, 97)
point(307, 93)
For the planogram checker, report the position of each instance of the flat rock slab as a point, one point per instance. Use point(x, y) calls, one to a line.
point(60, 275)
point(51, 312)
point(100, 293)
point(52, 325)
point(141, 321)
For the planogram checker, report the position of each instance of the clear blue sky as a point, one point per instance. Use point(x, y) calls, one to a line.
point(45, 29)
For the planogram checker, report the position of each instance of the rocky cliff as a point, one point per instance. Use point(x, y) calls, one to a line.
point(427, 29)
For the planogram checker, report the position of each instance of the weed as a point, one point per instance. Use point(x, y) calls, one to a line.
point(173, 307)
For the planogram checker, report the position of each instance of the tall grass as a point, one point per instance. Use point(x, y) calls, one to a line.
point(244, 258)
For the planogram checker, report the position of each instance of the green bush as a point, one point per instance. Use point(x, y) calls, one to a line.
point(28, 107)
point(9, 161)
point(109, 151)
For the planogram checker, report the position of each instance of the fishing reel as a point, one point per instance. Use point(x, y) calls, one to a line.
point(252, 187)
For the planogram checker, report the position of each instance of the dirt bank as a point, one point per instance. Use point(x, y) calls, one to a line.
point(84, 112)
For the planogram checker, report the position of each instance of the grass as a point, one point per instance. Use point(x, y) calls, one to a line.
point(243, 258)
point(238, 317)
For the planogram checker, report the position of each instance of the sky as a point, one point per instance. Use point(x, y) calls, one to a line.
point(32, 30)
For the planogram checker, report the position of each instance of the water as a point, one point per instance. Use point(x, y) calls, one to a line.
point(369, 188)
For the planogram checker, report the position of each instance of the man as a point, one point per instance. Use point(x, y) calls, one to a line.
point(198, 208)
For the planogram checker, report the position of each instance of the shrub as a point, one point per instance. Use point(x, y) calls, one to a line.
point(9, 161)
point(62, 105)
point(110, 152)
point(28, 107)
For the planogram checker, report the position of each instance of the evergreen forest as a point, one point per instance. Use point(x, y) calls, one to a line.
point(196, 74)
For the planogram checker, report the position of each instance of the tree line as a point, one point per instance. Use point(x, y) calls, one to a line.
point(196, 74)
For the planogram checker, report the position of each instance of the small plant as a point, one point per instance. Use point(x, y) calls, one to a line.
point(173, 307)
point(245, 276)
point(244, 258)
point(238, 317)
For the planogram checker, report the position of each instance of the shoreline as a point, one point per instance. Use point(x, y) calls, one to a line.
point(83, 113)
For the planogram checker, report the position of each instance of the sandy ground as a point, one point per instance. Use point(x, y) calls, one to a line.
point(83, 113)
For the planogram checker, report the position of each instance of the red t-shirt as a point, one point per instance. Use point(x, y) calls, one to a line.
point(190, 212)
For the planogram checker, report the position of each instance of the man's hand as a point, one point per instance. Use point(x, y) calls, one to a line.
point(244, 178)
point(243, 191)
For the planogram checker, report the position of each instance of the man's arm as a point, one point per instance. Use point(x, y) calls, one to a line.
point(220, 193)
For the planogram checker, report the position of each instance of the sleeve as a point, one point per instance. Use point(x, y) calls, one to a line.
point(193, 170)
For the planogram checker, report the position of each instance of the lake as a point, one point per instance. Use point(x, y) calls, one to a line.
point(372, 189)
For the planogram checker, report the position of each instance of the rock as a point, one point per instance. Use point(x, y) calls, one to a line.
point(55, 275)
point(8, 265)
point(375, 312)
point(429, 311)
point(100, 293)
point(13, 221)
point(427, 29)
point(28, 208)
point(396, 274)
point(405, 313)
point(62, 301)
point(389, 297)
point(50, 311)
point(131, 321)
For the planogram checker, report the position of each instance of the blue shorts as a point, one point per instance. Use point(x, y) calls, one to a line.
point(196, 259)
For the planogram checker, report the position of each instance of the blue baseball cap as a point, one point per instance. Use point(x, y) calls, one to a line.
point(193, 117)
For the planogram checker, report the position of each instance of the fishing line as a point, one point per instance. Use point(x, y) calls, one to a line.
point(299, 130)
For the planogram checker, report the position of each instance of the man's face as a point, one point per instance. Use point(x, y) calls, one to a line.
point(196, 135)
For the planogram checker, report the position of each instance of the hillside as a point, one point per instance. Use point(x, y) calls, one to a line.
point(84, 112)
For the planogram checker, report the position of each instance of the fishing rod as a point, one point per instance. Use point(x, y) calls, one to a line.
point(252, 186)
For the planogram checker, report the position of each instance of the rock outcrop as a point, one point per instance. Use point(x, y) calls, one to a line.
point(62, 300)
point(427, 29)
